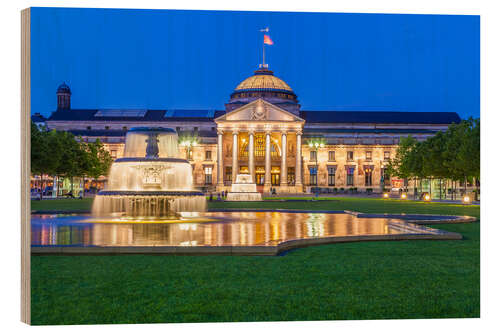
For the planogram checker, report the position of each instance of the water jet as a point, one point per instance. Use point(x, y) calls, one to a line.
point(150, 181)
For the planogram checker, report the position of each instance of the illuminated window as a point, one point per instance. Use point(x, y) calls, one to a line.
point(259, 175)
point(313, 176)
point(229, 174)
point(387, 155)
point(208, 175)
point(350, 176)
point(113, 153)
point(350, 155)
point(368, 155)
point(208, 155)
point(291, 176)
point(312, 155)
point(368, 177)
point(331, 175)
point(331, 155)
point(260, 145)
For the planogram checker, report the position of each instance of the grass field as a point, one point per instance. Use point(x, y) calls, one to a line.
point(74, 205)
point(370, 280)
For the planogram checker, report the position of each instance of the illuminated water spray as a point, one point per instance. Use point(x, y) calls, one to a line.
point(150, 181)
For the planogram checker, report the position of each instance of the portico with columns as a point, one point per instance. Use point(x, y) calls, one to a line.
point(263, 140)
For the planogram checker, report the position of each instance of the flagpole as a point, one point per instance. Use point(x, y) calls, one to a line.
point(263, 53)
point(264, 47)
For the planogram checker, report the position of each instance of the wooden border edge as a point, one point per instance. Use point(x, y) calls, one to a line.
point(25, 165)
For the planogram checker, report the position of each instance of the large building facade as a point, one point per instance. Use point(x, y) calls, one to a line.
point(264, 132)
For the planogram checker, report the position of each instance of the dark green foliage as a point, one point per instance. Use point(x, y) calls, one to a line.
point(453, 154)
point(366, 280)
point(99, 160)
point(60, 153)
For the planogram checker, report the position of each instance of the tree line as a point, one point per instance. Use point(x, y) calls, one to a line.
point(61, 154)
point(453, 155)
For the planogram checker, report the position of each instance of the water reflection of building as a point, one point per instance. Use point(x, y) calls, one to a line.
point(264, 131)
point(253, 228)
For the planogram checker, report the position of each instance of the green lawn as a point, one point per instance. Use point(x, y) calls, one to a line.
point(371, 280)
point(73, 205)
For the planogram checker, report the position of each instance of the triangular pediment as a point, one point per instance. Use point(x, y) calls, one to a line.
point(259, 111)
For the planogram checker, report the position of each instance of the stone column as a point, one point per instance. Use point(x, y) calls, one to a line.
point(283, 180)
point(220, 163)
point(235, 155)
point(298, 160)
point(251, 157)
point(267, 179)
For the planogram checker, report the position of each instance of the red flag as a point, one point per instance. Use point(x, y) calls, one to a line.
point(267, 40)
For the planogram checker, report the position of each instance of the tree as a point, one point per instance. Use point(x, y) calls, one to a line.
point(45, 155)
point(37, 149)
point(99, 159)
point(401, 165)
point(74, 157)
point(60, 153)
point(453, 154)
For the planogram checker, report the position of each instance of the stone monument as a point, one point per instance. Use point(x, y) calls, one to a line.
point(244, 189)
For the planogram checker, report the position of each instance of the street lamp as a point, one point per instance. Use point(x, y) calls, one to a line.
point(315, 144)
point(188, 142)
point(466, 200)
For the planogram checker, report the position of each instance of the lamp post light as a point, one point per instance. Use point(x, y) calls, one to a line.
point(466, 200)
point(188, 143)
point(316, 144)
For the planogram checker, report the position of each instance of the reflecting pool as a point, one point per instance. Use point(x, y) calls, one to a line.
point(222, 229)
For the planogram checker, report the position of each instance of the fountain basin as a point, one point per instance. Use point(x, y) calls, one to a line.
point(150, 181)
point(143, 205)
point(222, 232)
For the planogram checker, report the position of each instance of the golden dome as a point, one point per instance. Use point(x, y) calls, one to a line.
point(263, 79)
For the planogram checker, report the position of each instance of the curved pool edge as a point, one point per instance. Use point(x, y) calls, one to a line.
point(255, 250)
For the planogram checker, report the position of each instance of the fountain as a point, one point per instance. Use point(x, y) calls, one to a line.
point(244, 189)
point(149, 206)
point(150, 181)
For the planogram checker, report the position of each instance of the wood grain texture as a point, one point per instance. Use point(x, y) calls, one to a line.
point(25, 165)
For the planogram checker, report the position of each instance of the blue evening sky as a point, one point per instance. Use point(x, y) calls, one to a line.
point(161, 59)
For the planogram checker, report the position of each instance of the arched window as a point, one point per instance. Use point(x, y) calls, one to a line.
point(260, 147)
